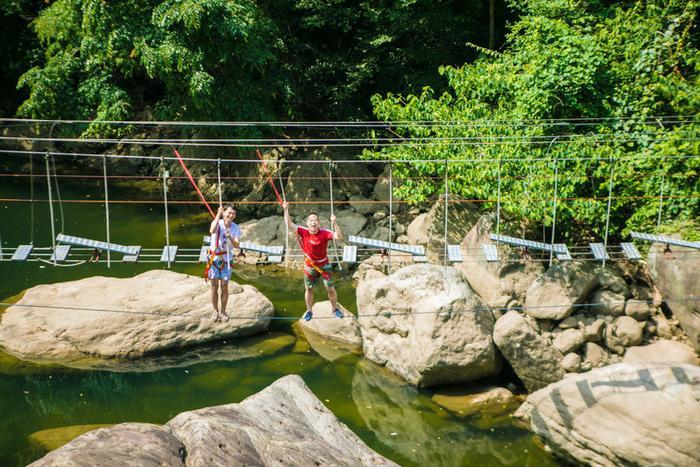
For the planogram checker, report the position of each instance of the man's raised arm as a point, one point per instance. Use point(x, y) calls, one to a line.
point(288, 220)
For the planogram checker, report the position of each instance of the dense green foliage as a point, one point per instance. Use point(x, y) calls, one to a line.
point(623, 61)
point(242, 59)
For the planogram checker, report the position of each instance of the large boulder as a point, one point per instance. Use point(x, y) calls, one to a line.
point(500, 283)
point(425, 323)
point(283, 424)
point(677, 276)
point(623, 414)
point(104, 317)
point(554, 294)
point(429, 229)
point(535, 361)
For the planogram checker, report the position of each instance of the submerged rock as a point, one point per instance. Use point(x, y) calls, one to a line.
point(624, 414)
point(282, 424)
point(425, 323)
point(485, 406)
point(53, 438)
point(103, 317)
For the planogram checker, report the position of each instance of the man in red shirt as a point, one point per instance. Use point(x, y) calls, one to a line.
point(314, 242)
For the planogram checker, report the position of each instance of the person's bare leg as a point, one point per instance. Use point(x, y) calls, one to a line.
point(215, 298)
point(309, 298)
point(332, 297)
point(224, 300)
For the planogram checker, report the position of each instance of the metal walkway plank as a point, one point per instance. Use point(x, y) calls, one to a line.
point(22, 252)
point(168, 253)
point(86, 242)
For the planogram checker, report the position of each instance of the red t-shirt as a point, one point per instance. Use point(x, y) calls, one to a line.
point(315, 245)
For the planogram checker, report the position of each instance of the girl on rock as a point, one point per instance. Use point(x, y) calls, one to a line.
point(225, 236)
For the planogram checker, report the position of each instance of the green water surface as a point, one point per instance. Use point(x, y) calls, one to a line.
point(397, 420)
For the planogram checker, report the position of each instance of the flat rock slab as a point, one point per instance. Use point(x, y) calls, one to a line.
point(623, 414)
point(284, 424)
point(662, 350)
point(104, 317)
point(326, 325)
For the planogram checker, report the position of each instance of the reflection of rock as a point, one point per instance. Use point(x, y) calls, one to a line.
point(677, 275)
point(425, 323)
point(329, 349)
point(227, 351)
point(283, 424)
point(624, 414)
point(325, 325)
point(404, 420)
point(53, 438)
point(486, 406)
point(157, 311)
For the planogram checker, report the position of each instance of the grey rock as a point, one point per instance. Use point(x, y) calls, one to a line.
point(628, 330)
point(429, 229)
point(624, 414)
point(569, 340)
point(536, 363)
point(501, 284)
point(266, 231)
point(351, 223)
point(594, 331)
point(606, 302)
point(553, 294)
point(379, 215)
point(662, 351)
point(282, 424)
point(361, 205)
point(663, 327)
point(677, 276)
point(571, 362)
point(449, 341)
point(639, 310)
point(611, 281)
point(595, 355)
point(569, 323)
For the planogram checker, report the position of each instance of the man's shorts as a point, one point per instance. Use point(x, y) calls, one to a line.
point(311, 275)
point(220, 269)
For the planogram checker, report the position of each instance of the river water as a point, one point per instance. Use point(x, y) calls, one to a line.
point(397, 420)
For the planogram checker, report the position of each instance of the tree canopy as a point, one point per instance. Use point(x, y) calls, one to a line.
point(573, 93)
point(240, 59)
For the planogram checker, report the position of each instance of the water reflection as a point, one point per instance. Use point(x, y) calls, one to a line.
point(405, 420)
